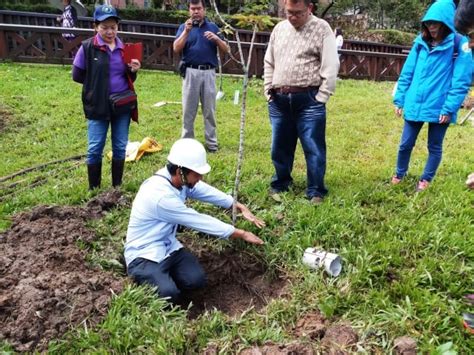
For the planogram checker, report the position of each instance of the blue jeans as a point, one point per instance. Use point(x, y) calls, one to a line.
point(180, 271)
point(300, 116)
point(97, 134)
point(436, 133)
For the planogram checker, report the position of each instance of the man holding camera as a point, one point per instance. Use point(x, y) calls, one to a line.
point(197, 41)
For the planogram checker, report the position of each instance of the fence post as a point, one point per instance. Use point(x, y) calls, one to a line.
point(3, 45)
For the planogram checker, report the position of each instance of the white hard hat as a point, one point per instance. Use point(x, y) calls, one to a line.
point(190, 154)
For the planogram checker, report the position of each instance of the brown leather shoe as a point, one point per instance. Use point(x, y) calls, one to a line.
point(316, 200)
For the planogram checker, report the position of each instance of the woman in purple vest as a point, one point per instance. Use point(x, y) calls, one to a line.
point(108, 95)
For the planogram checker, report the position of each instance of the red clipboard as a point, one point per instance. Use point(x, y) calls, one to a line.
point(133, 51)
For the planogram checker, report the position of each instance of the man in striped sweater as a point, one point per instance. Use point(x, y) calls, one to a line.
point(301, 66)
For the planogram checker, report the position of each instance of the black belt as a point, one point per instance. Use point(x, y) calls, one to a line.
point(294, 89)
point(201, 66)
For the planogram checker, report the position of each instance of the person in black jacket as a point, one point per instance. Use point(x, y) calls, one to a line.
point(108, 95)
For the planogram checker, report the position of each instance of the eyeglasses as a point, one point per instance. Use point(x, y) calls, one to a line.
point(300, 13)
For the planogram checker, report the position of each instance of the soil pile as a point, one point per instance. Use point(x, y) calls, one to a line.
point(315, 335)
point(5, 117)
point(46, 286)
point(405, 346)
point(288, 349)
point(312, 326)
point(340, 339)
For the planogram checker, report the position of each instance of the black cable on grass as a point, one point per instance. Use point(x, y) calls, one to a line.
point(40, 180)
point(40, 166)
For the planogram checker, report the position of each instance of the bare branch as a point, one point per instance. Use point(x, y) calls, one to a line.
point(327, 9)
point(252, 41)
point(243, 111)
point(241, 62)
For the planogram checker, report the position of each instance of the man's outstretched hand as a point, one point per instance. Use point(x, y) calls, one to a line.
point(249, 216)
point(249, 237)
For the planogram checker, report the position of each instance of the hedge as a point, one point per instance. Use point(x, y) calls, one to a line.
point(42, 8)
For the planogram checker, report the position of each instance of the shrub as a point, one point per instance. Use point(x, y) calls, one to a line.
point(395, 37)
point(41, 8)
point(24, 2)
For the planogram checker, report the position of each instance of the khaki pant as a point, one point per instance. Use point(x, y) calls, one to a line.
point(200, 86)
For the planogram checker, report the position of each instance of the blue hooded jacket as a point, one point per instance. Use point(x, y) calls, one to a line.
point(433, 82)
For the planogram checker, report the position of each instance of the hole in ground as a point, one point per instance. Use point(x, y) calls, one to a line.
point(236, 280)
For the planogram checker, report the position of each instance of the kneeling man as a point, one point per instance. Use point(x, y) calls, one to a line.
point(153, 254)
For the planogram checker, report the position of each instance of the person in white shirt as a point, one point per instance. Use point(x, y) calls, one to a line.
point(68, 19)
point(339, 39)
point(152, 253)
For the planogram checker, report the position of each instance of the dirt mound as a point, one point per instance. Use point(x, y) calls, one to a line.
point(5, 117)
point(45, 284)
point(312, 325)
point(268, 349)
point(272, 349)
point(405, 346)
point(340, 339)
point(236, 280)
point(333, 338)
point(315, 336)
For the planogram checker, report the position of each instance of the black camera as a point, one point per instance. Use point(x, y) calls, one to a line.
point(195, 23)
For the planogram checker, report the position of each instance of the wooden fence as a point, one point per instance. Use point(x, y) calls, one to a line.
point(37, 39)
point(44, 44)
point(40, 19)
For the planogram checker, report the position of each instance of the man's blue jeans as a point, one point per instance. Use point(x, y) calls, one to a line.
point(436, 133)
point(180, 271)
point(300, 116)
point(97, 134)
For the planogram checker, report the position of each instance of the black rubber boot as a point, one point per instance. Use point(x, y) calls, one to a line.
point(117, 172)
point(94, 172)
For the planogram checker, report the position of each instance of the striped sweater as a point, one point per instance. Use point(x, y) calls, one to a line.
point(302, 57)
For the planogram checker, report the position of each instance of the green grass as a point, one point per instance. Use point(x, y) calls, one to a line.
point(408, 258)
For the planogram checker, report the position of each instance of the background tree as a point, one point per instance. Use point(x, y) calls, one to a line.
point(398, 14)
point(256, 22)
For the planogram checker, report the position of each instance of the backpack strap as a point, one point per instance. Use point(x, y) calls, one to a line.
point(457, 42)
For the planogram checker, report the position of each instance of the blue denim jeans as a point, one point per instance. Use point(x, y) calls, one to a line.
point(180, 271)
point(436, 133)
point(97, 134)
point(300, 116)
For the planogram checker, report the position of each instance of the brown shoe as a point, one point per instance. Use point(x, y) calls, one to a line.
point(316, 200)
point(275, 195)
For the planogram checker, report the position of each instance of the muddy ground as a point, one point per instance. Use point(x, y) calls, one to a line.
point(315, 335)
point(5, 117)
point(47, 286)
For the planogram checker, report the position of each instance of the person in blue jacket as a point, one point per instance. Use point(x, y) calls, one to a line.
point(432, 85)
